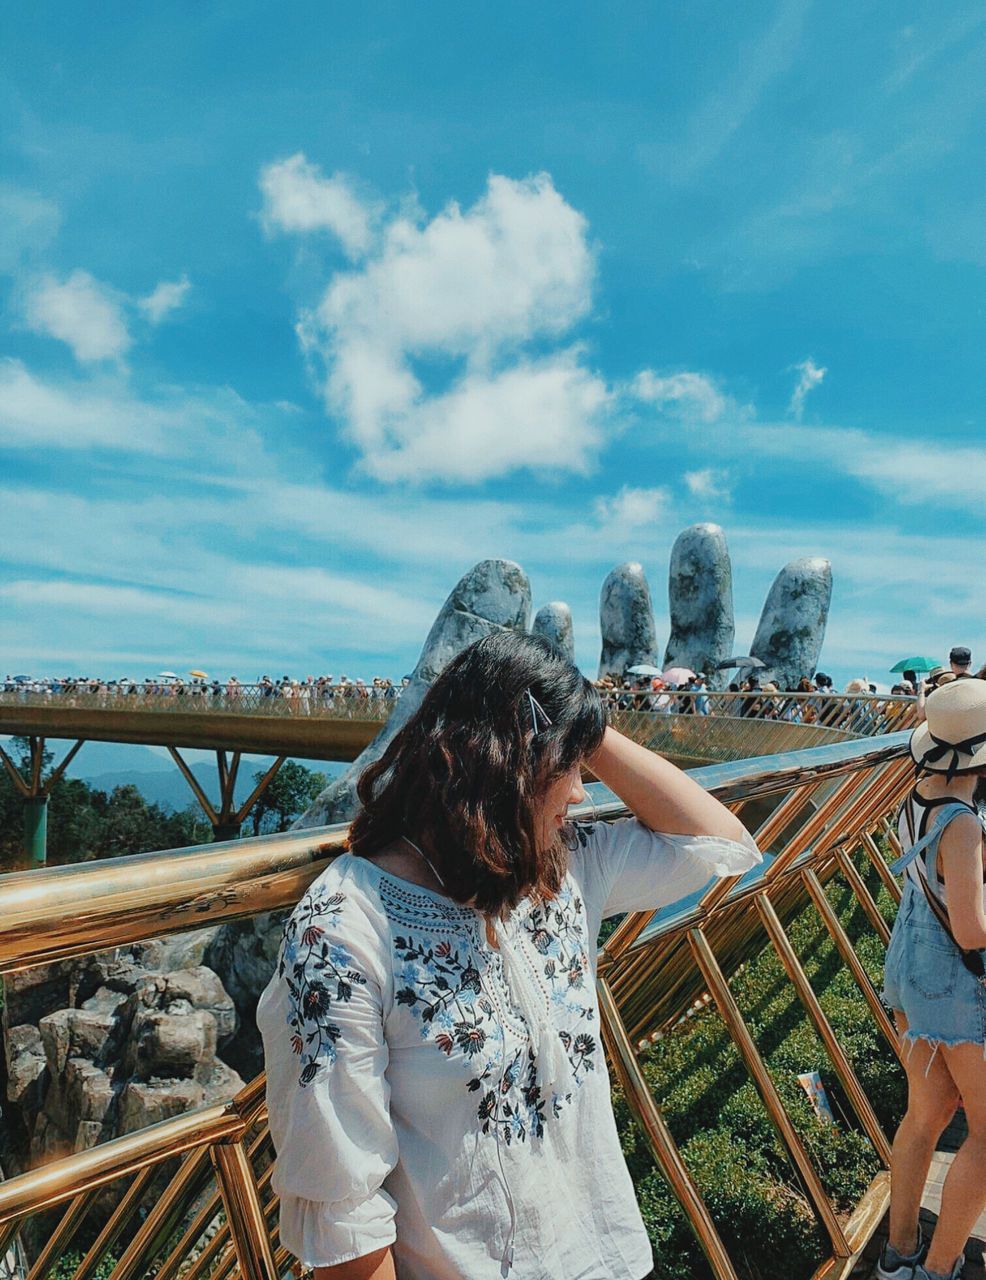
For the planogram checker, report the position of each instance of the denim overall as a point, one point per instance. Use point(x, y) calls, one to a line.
point(924, 976)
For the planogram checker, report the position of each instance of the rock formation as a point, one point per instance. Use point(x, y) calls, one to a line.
point(792, 625)
point(554, 622)
point(127, 1045)
point(700, 595)
point(626, 619)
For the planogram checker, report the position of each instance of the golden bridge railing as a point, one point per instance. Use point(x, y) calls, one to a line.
point(853, 715)
point(336, 702)
point(215, 1215)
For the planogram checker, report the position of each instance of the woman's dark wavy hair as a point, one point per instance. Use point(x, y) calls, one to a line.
point(463, 777)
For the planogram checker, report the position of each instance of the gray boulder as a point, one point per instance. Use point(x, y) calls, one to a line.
point(76, 1033)
point(25, 1065)
point(138, 1050)
point(792, 625)
point(626, 619)
point(700, 594)
point(554, 622)
point(494, 595)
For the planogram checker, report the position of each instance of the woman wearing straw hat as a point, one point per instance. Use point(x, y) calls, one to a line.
point(936, 985)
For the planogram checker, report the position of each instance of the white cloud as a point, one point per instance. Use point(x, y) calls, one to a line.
point(82, 312)
point(684, 395)
point(30, 222)
point(168, 296)
point(917, 473)
point(811, 377)
point(75, 415)
point(631, 509)
point(424, 346)
point(709, 485)
point(297, 197)
point(544, 414)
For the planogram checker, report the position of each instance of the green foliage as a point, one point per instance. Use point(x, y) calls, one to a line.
point(286, 797)
point(67, 1265)
point(722, 1128)
point(84, 823)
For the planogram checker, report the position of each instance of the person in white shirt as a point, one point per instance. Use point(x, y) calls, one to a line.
point(436, 1083)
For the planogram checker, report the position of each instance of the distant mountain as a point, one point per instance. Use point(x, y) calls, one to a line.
point(168, 788)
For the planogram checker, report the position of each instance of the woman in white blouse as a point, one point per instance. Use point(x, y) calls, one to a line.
point(437, 1090)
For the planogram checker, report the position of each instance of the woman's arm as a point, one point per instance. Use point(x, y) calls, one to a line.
point(961, 852)
point(378, 1265)
point(658, 793)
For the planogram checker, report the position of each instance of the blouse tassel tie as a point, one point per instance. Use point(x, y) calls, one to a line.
point(554, 1071)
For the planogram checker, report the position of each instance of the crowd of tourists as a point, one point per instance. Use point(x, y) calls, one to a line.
point(677, 690)
point(303, 696)
point(810, 701)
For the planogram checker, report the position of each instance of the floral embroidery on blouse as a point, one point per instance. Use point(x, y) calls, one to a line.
point(463, 1011)
point(555, 931)
point(319, 974)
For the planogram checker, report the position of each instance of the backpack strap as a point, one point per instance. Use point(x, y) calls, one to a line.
point(928, 842)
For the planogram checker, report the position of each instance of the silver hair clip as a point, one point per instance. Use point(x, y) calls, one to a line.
point(537, 710)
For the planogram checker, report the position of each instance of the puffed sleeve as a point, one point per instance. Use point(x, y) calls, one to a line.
point(321, 1018)
point(624, 866)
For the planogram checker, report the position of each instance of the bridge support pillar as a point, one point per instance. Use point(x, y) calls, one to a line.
point(35, 831)
point(226, 831)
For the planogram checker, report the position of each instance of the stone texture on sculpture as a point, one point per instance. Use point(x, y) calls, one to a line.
point(554, 622)
point(700, 595)
point(792, 625)
point(493, 596)
point(626, 619)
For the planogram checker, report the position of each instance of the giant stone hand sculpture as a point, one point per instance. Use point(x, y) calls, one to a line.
point(700, 594)
point(789, 637)
point(554, 622)
point(792, 625)
point(626, 619)
point(493, 595)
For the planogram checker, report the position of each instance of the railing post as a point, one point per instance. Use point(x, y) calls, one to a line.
point(35, 831)
point(659, 1139)
point(740, 1035)
point(245, 1213)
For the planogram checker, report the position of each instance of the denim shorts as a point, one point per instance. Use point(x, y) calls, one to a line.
point(925, 978)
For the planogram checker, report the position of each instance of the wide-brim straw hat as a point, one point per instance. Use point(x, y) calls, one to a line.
point(953, 737)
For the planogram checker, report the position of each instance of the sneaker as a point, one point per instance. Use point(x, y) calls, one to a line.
point(920, 1273)
point(891, 1266)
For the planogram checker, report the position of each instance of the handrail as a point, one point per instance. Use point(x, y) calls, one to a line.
point(810, 808)
point(55, 913)
point(856, 713)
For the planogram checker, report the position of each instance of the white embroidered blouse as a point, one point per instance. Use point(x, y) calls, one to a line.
point(406, 1104)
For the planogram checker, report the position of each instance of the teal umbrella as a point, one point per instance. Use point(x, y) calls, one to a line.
point(916, 664)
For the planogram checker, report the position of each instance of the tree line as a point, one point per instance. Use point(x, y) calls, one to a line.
point(85, 823)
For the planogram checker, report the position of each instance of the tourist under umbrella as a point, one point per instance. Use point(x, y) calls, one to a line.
point(916, 664)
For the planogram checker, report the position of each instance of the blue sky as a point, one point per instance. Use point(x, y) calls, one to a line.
point(307, 308)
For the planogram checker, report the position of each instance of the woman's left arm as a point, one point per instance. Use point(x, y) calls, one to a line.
point(658, 793)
